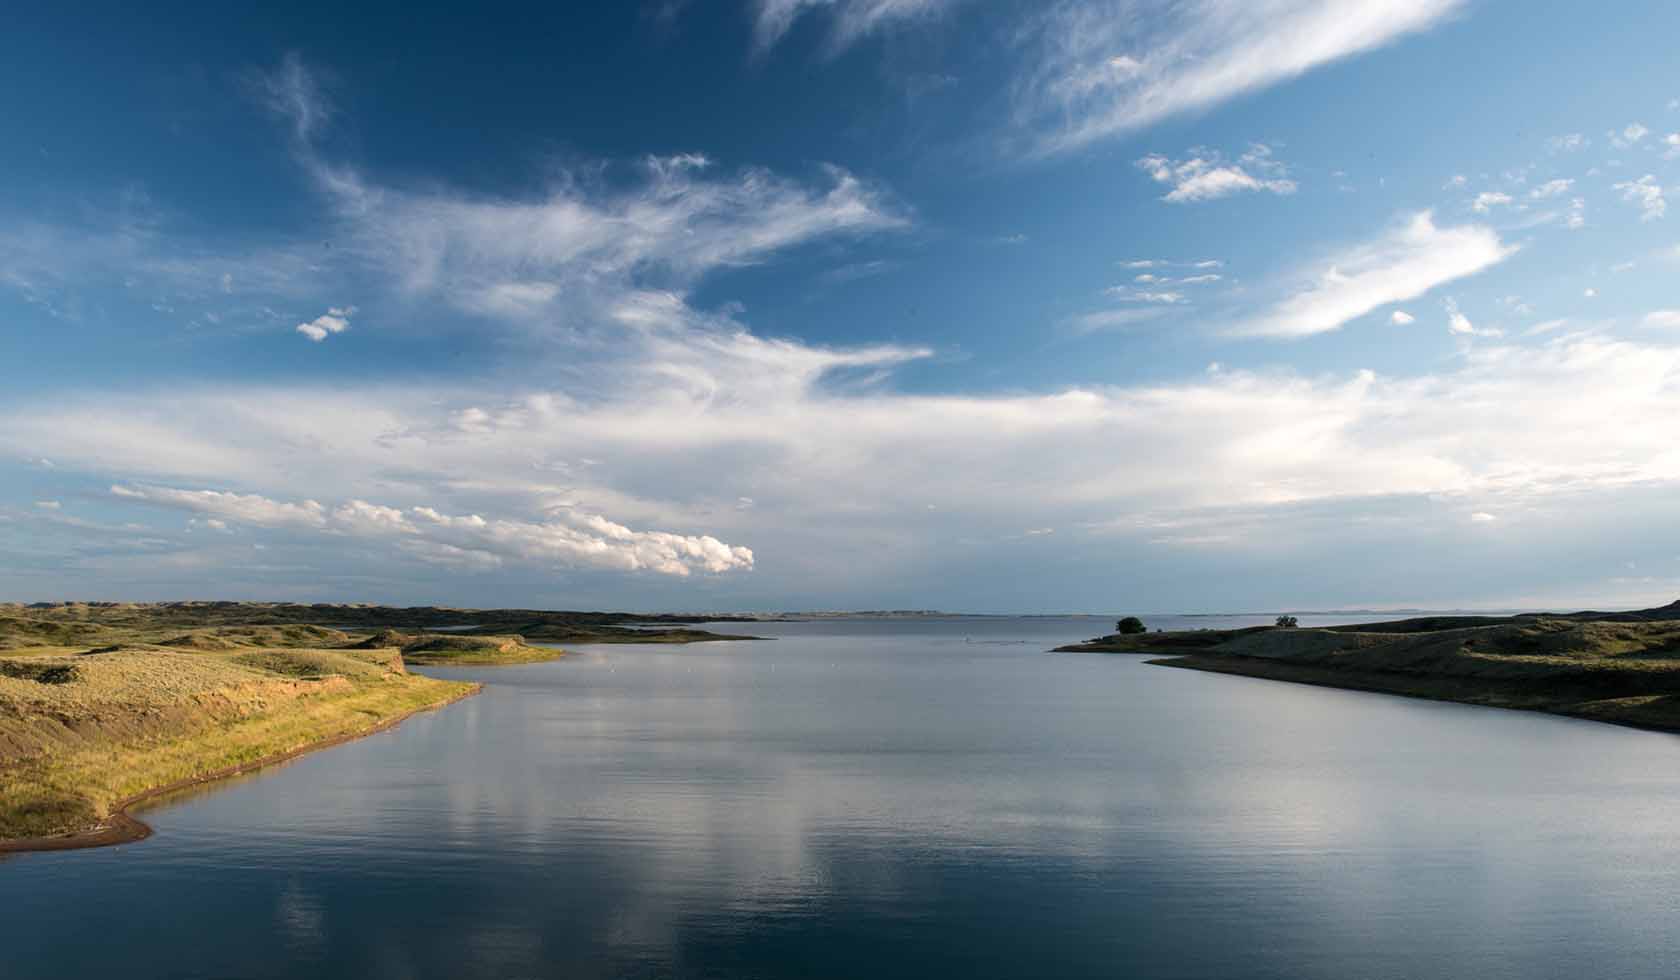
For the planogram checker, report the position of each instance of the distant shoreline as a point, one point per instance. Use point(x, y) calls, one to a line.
point(1616, 667)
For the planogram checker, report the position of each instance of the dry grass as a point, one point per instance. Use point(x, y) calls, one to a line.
point(1625, 670)
point(443, 649)
point(80, 732)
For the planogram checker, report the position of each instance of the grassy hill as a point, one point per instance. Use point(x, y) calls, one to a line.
point(101, 707)
point(1617, 667)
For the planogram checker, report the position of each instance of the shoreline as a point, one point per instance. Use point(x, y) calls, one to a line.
point(122, 827)
point(1504, 697)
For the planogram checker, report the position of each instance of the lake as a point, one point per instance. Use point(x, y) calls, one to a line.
point(900, 798)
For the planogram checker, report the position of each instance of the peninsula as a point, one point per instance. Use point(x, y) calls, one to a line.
point(104, 706)
point(1621, 667)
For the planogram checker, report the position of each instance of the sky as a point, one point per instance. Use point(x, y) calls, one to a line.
point(978, 305)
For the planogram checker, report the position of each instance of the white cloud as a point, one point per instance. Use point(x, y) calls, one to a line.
point(1455, 182)
point(1410, 260)
point(1105, 67)
point(853, 19)
point(1577, 216)
point(1113, 319)
point(565, 538)
point(48, 504)
point(1551, 188)
point(251, 509)
point(1483, 517)
point(294, 92)
point(1589, 293)
point(849, 475)
point(1488, 200)
point(1663, 318)
point(1168, 264)
point(1647, 194)
point(1569, 143)
point(590, 239)
point(335, 320)
point(1401, 318)
point(1631, 136)
point(1207, 176)
point(1672, 141)
point(1459, 324)
point(1130, 294)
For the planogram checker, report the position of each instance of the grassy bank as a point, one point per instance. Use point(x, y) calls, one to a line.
point(1617, 667)
point(93, 720)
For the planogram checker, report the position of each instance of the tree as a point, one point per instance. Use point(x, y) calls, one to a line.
point(1130, 625)
point(1287, 622)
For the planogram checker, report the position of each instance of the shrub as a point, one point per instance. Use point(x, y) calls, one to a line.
point(1287, 622)
point(1130, 625)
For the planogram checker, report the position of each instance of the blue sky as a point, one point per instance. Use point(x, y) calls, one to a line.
point(987, 306)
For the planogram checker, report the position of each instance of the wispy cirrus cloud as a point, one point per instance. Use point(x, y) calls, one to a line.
point(583, 241)
point(1106, 67)
point(852, 19)
point(1411, 259)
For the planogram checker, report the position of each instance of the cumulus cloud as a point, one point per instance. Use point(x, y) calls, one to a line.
point(1551, 188)
point(1207, 176)
point(1401, 318)
point(1410, 260)
point(566, 538)
point(1105, 67)
point(335, 320)
point(849, 474)
point(1663, 318)
point(1647, 194)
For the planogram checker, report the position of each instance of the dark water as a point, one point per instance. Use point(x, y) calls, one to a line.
point(901, 799)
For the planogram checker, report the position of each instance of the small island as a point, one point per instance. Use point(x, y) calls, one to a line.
point(104, 706)
point(1622, 667)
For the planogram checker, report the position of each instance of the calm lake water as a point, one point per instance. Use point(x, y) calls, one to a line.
point(896, 799)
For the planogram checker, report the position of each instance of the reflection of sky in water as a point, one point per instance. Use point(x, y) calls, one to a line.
point(897, 800)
